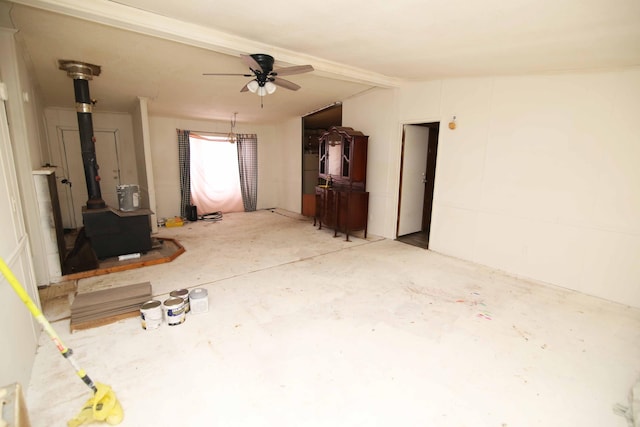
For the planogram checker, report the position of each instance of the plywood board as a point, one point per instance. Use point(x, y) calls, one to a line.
point(108, 305)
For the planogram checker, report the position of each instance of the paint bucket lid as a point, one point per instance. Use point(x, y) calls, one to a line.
point(198, 293)
point(182, 293)
point(150, 305)
point(172, 301)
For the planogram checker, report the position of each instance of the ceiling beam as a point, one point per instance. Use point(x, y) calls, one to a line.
point(140, 21)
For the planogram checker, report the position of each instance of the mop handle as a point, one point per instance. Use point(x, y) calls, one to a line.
point(37, 314)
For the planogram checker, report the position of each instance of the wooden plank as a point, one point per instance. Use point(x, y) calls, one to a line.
point(107, 315)
point(106, 306)
point(112, 294)
point(98, 310)
point(109, 297)
point(120, 304)
point(129, 305)
point(56, 290)
point(77, 326)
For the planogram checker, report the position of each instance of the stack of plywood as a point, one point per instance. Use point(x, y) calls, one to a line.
point(99, 308)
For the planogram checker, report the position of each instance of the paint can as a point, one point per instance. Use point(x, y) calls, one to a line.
point(184, 294)
point(199, 301)
point(128, 197)
point(173, 308)
point(151, 314)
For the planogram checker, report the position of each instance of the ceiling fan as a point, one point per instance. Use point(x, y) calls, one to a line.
point(265, 77)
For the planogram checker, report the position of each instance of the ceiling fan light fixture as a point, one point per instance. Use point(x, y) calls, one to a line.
point(253, 86)
point(270, 87)
point(260, 87)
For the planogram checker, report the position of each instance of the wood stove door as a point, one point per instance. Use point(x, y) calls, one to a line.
point(72, 188)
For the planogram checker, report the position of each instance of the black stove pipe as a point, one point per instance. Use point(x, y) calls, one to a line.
point(87, 143)
point(81, 73)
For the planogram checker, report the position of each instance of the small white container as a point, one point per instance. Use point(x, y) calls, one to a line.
point(199, 301)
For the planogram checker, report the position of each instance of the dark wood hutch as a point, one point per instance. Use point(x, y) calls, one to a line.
point(342, 202)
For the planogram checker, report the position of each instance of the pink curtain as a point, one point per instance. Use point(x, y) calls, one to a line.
point(215, 179)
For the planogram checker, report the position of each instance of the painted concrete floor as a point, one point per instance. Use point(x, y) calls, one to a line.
point(304, 329)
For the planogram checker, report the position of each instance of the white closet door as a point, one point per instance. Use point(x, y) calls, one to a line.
point(414, 168)
point(19, 331)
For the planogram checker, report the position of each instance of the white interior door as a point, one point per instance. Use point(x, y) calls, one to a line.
point(72, 187)
point(13, 230)
point(19, 336)
point(414, 169)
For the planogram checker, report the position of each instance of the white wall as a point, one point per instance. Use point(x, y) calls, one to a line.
point(19, 332)
point(23, 111)
point(375, 115)
point(540, 178)
point(144, 158)
point(164, 152)
point(138, 147)
point(290, 166)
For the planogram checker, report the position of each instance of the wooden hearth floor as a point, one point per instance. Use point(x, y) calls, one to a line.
point(163, 250)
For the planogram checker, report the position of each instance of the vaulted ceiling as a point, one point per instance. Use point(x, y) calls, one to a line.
point(159, 49)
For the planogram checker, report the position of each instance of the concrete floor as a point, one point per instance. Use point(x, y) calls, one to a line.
point(304, 329)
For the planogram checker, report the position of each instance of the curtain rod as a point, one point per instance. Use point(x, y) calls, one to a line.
point(206, 131)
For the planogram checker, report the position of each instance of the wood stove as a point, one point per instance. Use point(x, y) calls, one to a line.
point(110, 232)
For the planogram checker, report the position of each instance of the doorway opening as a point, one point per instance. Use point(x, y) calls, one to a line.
point(314, 125)
point(417, 179)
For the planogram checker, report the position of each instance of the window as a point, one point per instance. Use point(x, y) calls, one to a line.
point(215, 179)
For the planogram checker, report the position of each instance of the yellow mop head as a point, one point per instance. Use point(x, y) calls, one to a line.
point(102, 406)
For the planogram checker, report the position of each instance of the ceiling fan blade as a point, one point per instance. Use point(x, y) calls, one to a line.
point(245, 88)
point(226, 74)
point(288, 71)
point(285, 83)
point(248, 59)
